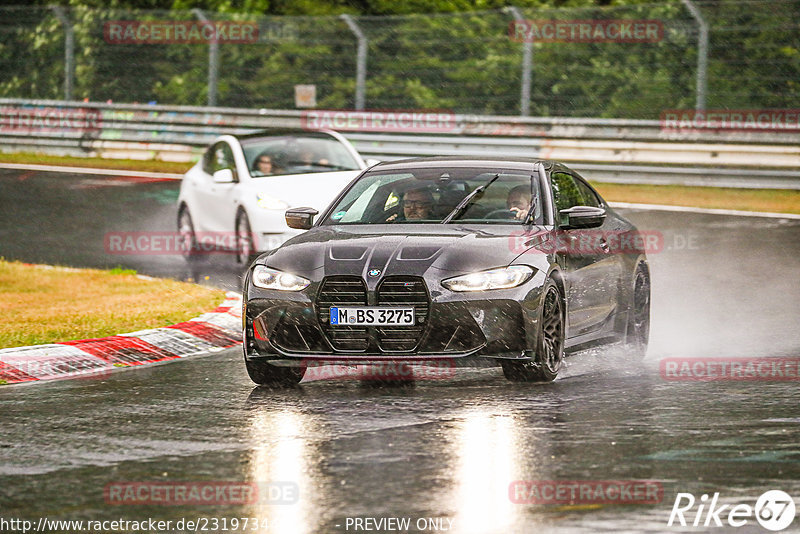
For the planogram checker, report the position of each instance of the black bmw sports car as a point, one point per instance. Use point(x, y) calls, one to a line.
point(471, 261)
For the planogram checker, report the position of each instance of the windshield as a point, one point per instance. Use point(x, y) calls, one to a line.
point(432, 196)
point(268, 156)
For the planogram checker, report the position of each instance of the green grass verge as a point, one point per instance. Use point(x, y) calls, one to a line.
point(97, 163)
point(44, 304)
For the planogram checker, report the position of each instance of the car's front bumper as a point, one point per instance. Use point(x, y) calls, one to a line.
point(285, 329)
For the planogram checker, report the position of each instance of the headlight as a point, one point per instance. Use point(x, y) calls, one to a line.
point(267, 278)
point(502, 278)
point(270, 203)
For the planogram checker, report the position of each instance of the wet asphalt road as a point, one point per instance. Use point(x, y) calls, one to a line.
point(448, 449)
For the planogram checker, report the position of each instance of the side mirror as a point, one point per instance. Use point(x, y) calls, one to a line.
point(223, 176)
point(300, 218)
point(371, 162)
point(582, 217)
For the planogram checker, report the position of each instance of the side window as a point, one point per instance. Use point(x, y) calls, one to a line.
point(565, 191)
point(569, 191)
point(208, 159)
point(218, 157)
point(589, 197)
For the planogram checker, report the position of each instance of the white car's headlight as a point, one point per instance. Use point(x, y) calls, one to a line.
point(267, 278)
point(270, 203)
point(502, 278)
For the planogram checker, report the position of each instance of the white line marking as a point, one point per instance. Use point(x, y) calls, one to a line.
point(710, 211)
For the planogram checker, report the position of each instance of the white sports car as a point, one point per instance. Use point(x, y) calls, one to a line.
point(244, 184)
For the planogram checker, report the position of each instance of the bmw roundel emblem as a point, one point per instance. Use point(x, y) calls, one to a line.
point(374, 272)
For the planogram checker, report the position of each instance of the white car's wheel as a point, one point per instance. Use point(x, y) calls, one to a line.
point(245, 249)
point(189, 247)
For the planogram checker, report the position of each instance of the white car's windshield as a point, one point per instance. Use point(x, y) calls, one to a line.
point(440, 195)
point(279, 155)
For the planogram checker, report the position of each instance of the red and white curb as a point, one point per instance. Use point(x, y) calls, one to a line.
point(216, 330)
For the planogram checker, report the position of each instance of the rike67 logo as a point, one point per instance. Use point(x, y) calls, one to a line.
point(774, 510)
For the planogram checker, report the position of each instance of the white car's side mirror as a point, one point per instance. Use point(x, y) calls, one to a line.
point(223, 176)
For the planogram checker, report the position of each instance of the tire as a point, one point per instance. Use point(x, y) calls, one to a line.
point(264, 374)
point(189, 247)
point(550, 342)
point(244, 239)
point(638, 329)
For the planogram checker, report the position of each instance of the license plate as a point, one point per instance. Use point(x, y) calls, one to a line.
point(371, 316)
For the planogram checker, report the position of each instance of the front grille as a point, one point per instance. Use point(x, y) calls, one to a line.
point(341, 291)
point(403, 291)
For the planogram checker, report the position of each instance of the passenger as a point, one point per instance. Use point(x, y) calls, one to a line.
point(309, 158)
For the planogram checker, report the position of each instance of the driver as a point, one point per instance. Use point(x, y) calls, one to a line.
point(519, 201)
point(417, 204)
point(264, 165)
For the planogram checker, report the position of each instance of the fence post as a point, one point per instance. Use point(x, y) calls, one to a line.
point(702, 55)
point(69, 50)
point(527, 60)
point(361, 60)
point(213, 61)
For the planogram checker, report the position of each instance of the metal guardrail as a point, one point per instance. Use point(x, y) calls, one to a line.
point(616, 150)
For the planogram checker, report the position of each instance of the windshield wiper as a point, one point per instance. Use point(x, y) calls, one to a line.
point(468, 199)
